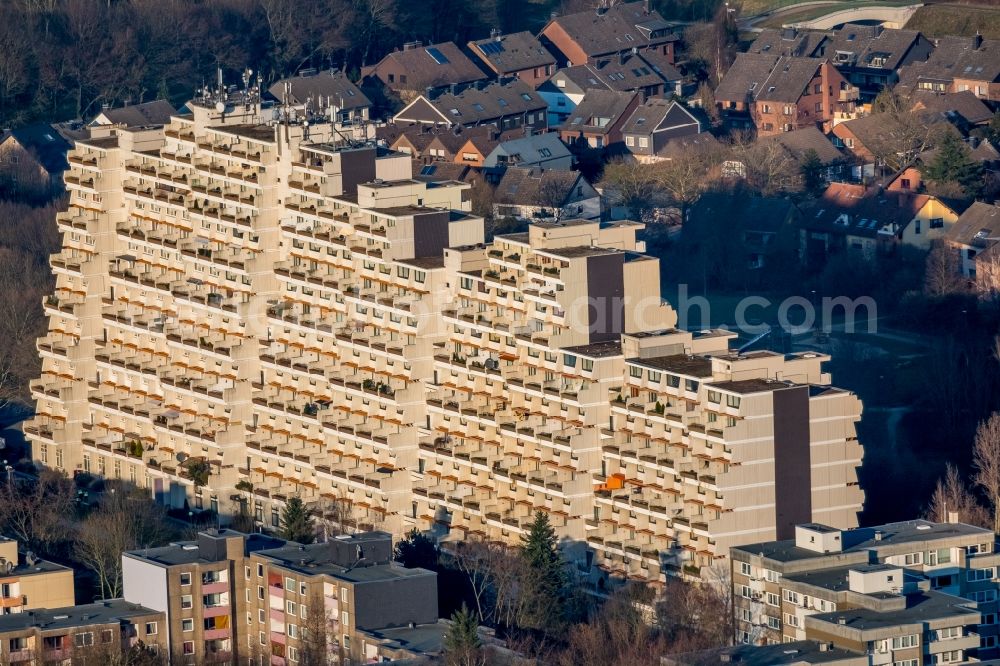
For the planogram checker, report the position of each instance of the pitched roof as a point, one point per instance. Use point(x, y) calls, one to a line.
point(655, 114)
point(480, 105)
point(45, 143)
point(618, 28)
point(530, 148)
point(681, 146)
point(977, 225)
point(851, 209)
point(535, 187)
point(630, 71)
point(157, 112)
point(964, 103)
point(787, 41)
point(598, 111)
point(437, 172)
point(453, 139)
point(870, 46)
point(334, 85)
point(431, 66)
point(970, 58)
point(798, 142)
point(765, 77)
point(507, 54)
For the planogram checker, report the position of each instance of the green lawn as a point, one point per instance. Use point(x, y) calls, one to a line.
point(937, 20)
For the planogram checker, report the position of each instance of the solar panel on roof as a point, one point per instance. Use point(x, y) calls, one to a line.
point(439, 57)
point(427, 170)
point(491, 48)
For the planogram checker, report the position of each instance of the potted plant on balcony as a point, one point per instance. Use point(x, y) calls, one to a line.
point(135, 449)
point(198, 471)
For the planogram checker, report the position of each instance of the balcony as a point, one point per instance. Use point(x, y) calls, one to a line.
point(849, 94)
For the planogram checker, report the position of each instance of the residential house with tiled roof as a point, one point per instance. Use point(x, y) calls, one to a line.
point(962, 109)
point(546, 151)
point(543, 194)
point(976, 236)
point(508, 106)
point(648, 73)
point(32, 161)
point(415, 69)
point(598, 120)
point(322, 91)
point(776, 93)
point(519, 55)
point(869, 57)
point(654, 124)
point(957, 64)
point(871, 221)
point(590, 35)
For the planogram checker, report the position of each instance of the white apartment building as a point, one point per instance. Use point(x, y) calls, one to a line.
point(254, 297)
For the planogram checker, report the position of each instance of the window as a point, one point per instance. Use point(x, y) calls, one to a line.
point(976, 575)
point(293, 654)
point(950, 657)
point(150, 628)
point(293, 631)
point(185, 578)
point(905, 662)
point(791, 620)
point(773, 623)
point(643, 142)
point(903, 642)
point(291, 608)
point(630, 141)
point(745, 567)
point(187, 624)
point(772, 599)
point(186, 601)
point(290, 585)
point(937, 223)
point(189, 645)
point(791, 597)
point(106, 636)
point(913, 558)
point(716, 397)
point(84, 639)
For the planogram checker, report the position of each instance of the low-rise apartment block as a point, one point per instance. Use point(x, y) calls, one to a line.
point(89, 635)
point(914, 592)
point(29, 583)
point(229, 597)
point(248, 304)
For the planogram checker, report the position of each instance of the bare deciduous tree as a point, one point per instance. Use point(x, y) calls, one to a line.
point(986, 461)
point(952, 496)
point(126, 519)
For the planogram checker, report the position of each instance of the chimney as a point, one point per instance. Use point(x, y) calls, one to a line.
point(953, 517)
point(878, 535)
point(978, 40)
point(495, 34)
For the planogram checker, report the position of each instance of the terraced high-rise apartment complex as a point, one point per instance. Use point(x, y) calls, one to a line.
point(244, 294)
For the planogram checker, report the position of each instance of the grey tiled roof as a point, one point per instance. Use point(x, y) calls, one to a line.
point(596, 107)
point(619, 28)
point(766, 77)
point(513, 53)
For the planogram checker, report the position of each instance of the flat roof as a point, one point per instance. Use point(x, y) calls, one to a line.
point(863, 539)
point(315, 559)
point(104, 612)
point(596, 350)
point(920, 607)
point(758, 385)
point(577, 251)
point(681, 364)
point(796, 652)
point(423, 638)
point(423, 262)
point(262, 133)
point(188, 552)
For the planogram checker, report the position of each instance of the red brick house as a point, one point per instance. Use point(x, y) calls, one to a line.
point(776, 93)
point(598, 120)
point(958, 64)
point(588, 36)
point(415, 69)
